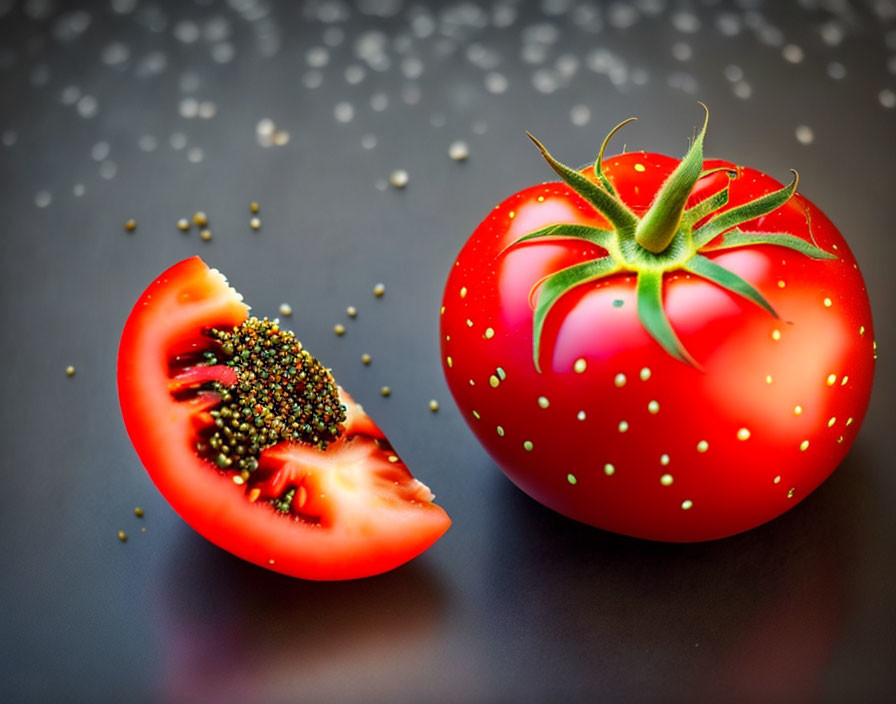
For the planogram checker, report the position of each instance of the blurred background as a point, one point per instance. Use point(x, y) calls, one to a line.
point(375, 135)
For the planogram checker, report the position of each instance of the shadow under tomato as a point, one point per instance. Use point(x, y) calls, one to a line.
point(753, 617)
point(235, 632)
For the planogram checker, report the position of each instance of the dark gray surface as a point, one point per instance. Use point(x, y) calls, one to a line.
point(515, 603)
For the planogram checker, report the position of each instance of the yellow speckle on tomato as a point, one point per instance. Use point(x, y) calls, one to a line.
point(609, 469)
point(687, 504)
point(640, 168)
point(666, 480)
point(743, 434)
point(804, 445)
point(832, 379)
point(580, 365)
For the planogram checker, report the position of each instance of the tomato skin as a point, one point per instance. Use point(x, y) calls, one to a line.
point(168, 319)
point(638, 442)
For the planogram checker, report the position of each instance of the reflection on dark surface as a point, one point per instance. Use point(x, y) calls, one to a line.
point(755, 617)
point(234, 632)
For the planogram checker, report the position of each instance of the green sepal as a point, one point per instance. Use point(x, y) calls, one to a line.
point(598, 163)
point(706, 206)
point(739, 238)
point(614, 210)
point(563, 231)
point(660, 224)
point(555, 286)
point(710, 204)
point(719, 275)
point(653, 316)
point(744, 213)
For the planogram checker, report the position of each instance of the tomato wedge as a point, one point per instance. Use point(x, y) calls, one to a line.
point(342, 507)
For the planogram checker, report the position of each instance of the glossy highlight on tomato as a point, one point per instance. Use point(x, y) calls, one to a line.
point(677, 350)
point(341, 507)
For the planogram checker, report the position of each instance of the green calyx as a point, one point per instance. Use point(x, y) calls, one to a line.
point(668, 237)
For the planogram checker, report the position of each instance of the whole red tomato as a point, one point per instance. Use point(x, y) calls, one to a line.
point(674, 350)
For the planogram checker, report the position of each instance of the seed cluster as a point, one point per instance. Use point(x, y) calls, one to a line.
point(282, 393)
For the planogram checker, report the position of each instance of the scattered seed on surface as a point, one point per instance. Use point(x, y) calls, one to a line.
point(365, 359)
point(255, 223)
point(130, 225)
point(138, 512)
point(459, 151)
point(379, 290)
point(434, 405)
point(69, 370)
point(385, 391)
point(254, 207)
point(206, 235)
point(183, 224)
point(399, 178)
point(339, 329)
point(200, 219)
point(285, 310)
point(351, 312)
point(122, 536)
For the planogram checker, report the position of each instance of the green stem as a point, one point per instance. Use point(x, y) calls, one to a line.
point(658, 227)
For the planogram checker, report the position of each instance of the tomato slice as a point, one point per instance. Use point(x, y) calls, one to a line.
point(354, 508)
